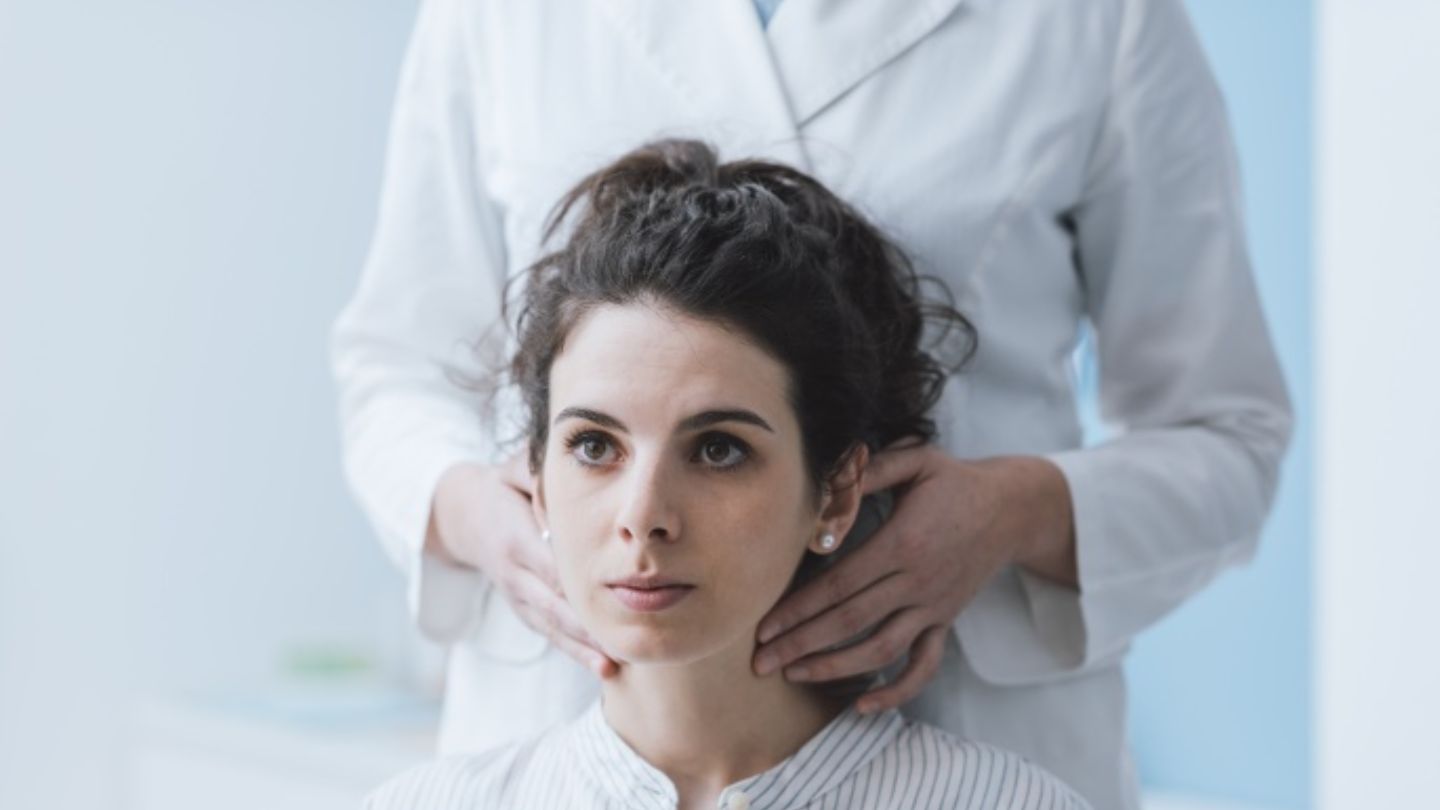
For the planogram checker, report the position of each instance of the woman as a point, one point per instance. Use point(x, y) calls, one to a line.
point(706, 366)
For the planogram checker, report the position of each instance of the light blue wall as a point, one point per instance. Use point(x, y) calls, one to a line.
point(186, 192)
point(1220, 690)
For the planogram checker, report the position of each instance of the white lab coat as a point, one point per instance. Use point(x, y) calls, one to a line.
point(1054, 162)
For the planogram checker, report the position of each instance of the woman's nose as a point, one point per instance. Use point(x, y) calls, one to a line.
point(649, 510)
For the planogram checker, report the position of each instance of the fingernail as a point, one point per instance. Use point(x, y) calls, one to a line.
point(766, 663)
point(797, 673)
point(768, 631)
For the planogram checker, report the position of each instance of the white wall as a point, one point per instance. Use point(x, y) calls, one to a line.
point(1378, 560)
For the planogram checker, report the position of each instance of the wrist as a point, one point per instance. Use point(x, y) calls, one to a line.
point(1045, 544)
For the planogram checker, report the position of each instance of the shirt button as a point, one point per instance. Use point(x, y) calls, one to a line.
point(736, 801)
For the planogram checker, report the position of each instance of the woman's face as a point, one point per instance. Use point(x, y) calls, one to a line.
point(673, 452)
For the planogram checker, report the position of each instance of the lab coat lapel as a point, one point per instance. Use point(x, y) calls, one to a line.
point(823, 48)
point(715, 55)
point(765, 84)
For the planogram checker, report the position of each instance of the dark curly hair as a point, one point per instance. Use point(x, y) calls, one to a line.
point(756, 246)
point(763, 248)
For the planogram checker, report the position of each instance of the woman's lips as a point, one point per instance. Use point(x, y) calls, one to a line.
point(649, 600)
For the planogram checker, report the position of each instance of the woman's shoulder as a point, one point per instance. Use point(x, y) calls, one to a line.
point(967, 774)
point(457, 781)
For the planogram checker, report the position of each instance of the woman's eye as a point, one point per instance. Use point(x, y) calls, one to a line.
point(591, 448)
point(717, 451)
point(722, 451)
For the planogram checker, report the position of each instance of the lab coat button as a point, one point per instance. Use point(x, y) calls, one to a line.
point(735, 801)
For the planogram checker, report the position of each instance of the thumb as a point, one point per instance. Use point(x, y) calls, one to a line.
point(888, 468)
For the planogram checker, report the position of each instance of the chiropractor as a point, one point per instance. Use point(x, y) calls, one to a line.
point(1062, 167)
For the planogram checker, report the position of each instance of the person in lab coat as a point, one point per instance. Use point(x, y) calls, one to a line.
point(1060, 166)
point(707, 364)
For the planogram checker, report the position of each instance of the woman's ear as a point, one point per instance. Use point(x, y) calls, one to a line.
point(841, 503)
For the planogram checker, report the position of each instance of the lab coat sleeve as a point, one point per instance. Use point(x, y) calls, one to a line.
point(1187, 372)
point(429, 289)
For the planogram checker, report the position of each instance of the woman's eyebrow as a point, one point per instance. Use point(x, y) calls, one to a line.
point(700, 420)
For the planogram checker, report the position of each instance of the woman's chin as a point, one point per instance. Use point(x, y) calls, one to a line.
point(639, 646)
point(650, 645)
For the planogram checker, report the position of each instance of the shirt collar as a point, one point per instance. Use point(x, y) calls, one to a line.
point(842, 747)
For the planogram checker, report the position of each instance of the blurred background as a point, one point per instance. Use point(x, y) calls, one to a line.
point(194, 613)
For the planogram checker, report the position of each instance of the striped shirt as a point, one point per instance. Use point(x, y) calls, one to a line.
point(878, 761)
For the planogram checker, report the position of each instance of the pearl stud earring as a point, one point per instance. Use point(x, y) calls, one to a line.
point(545, 535)
point(827, 541)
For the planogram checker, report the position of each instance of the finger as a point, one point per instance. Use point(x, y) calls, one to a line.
point(896, 635)
point(889, 468)
point(857, 571)
point(534, 555)
point(558, 614)
point(835, 626)
point(909, 440)
point(549, 614)
point(569, 624)
point(924, 662)
point(535, 601)
point(586, 656)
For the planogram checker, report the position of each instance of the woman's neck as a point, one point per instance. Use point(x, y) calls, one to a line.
point(710, 723)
